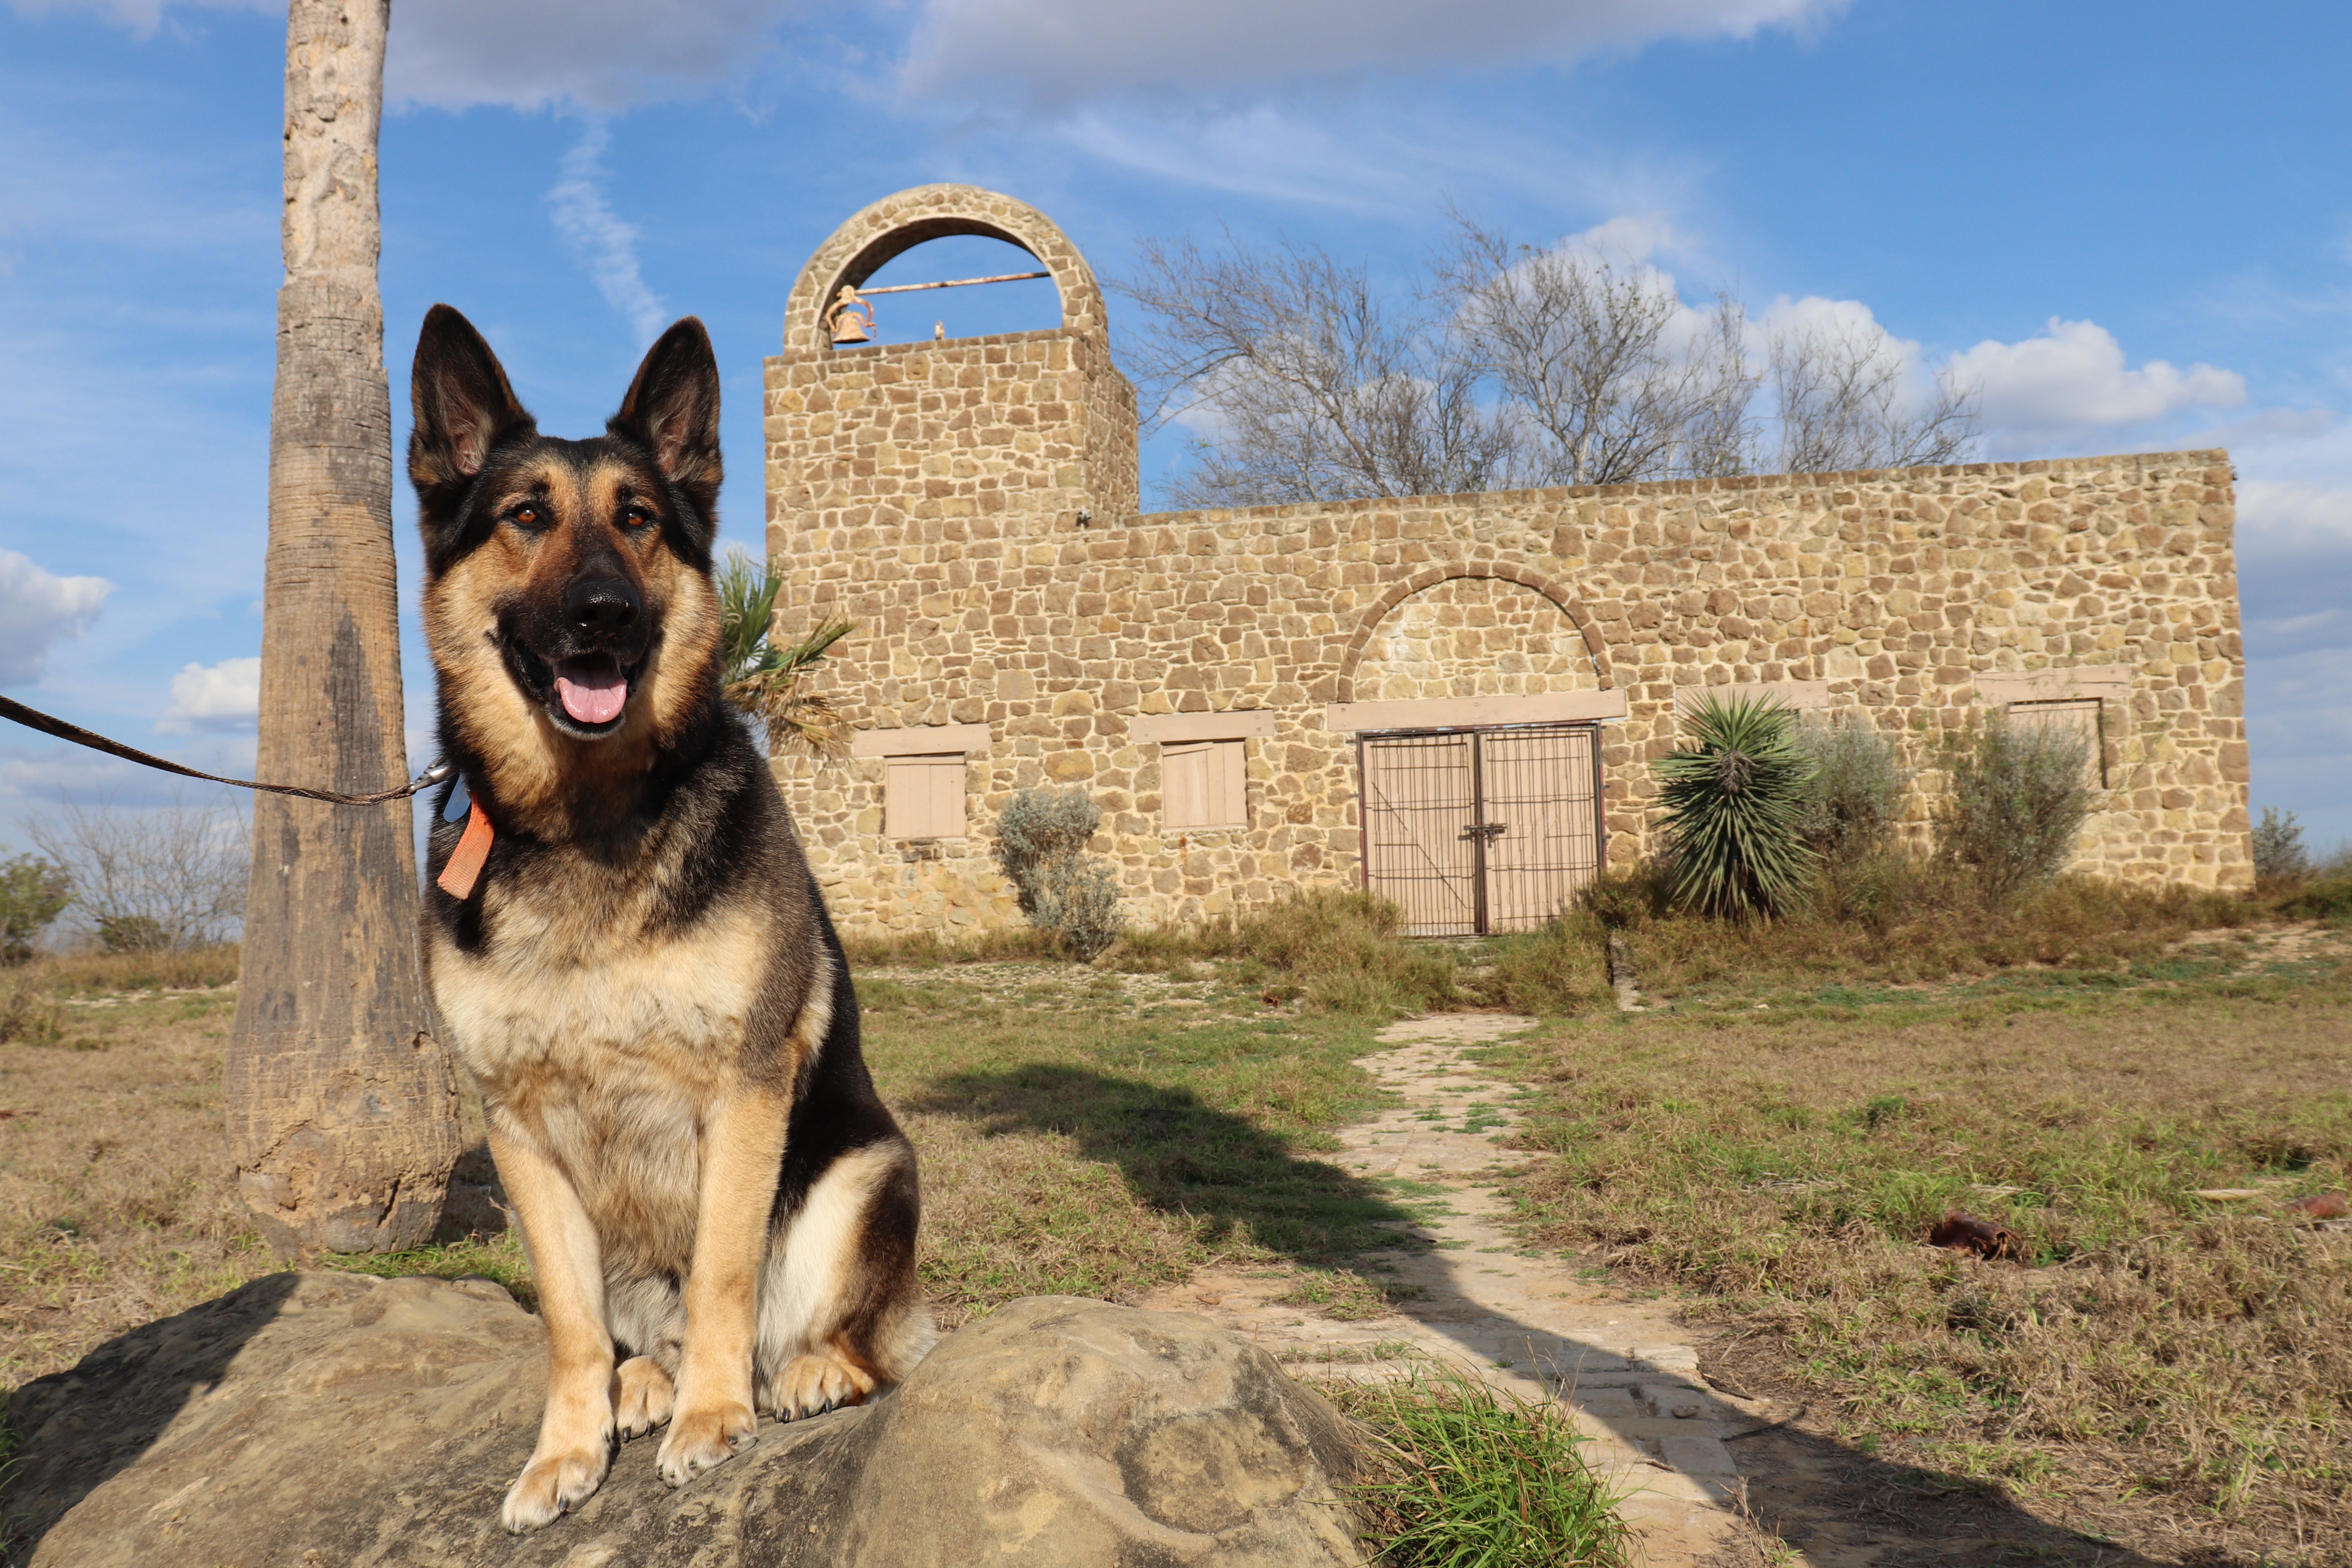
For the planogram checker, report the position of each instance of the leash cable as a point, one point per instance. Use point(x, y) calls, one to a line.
point(33, 718)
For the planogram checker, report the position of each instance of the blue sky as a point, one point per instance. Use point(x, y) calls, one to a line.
point(2131, 224)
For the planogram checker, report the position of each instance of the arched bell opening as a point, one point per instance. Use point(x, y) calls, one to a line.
point(962, 232)
point(958, 286)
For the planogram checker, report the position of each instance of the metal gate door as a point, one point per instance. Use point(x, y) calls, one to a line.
point(1480, 831)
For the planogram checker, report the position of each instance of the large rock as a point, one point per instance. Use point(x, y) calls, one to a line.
point(329, 1419)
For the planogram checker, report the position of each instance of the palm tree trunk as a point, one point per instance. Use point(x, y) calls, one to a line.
point(342, 1106)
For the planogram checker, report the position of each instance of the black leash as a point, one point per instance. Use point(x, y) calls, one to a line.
point(32, 719)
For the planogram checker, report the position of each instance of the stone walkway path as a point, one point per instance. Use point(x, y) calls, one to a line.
point(1525, 1322)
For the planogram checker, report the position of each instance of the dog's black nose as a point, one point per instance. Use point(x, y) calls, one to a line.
point(603, 607)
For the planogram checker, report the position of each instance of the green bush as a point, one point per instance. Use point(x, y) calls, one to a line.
point(33, 892)
point(133, 933)
point(2328, 899)
point(2279, 853)
point(2013, 804)
point(1735, 807)
point(1040, 842)
point(1857, 794)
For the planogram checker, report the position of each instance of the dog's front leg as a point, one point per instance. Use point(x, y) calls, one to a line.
point(575, 1436)
point(742, 1154)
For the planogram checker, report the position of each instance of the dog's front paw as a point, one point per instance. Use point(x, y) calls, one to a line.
point(643, 1395)
point(813, 1384)
point(704, 1439)
point(550, 1484)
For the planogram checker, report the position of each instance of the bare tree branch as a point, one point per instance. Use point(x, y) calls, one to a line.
point(157, 877)
point(1314, 386)
point(1501, 366)
point(1614, 377)
point(1842, 399)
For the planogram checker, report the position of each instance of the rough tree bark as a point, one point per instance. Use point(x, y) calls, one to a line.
point(342, 1106)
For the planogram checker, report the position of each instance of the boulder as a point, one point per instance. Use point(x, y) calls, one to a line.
point(333, 1419)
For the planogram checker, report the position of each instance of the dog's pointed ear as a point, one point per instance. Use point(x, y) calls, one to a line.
point(462, 403)
point(672, 410)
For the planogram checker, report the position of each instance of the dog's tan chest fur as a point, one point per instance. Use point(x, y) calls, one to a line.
point(610, 1052)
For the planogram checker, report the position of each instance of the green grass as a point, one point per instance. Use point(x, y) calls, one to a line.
point(498, 1257)
point(1461, 1474)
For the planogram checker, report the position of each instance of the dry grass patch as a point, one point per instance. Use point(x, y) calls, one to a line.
point(117, 1206)
point(1331, 949)
point(1893, 920)
point(2162, 1366)
point(119, 975)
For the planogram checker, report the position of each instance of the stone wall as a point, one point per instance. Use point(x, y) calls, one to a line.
point(932, 492)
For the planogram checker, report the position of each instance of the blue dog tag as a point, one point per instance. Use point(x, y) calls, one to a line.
point(460, 803)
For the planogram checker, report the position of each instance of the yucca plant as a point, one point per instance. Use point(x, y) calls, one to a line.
point(765, 679)
point(1734, 810)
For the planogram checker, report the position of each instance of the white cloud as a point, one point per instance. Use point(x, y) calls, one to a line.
point(1789, 318)
point(141, 17)
point(1257, 151)
point(38, 609)
point(2073, 379)
point(1058, 52)
point(2294, 514)
point(1633, 237)
point(222, 697)
point(602, 55)
point(598, 239)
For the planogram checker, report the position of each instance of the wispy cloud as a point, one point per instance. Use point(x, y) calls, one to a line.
point(141, 18)
point(1056, 53)
point(602, 55)
point(601, 241)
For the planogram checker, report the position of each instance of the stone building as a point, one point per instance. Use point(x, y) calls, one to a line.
point(1452, 697)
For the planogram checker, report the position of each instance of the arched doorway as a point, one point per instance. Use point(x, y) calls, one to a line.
point(1480, 805)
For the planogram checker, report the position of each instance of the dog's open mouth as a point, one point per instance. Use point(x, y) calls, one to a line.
point(593, 688)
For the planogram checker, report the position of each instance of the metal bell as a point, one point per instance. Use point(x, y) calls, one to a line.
point(851, 319)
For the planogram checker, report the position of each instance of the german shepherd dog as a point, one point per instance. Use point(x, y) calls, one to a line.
point(721, 1213)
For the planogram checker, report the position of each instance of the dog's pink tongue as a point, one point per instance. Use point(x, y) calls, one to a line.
point(593, 689)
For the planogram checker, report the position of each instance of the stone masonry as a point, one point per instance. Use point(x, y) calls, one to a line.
point(971, 505)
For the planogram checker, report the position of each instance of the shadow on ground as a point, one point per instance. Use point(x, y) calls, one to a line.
point(1184, 1157)
point(70, 1439)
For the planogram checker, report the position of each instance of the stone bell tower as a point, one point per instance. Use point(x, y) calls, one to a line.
point(904, 447)
point(942, 496)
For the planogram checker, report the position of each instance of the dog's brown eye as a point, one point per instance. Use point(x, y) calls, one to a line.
point(636, 517)
point(526, 515)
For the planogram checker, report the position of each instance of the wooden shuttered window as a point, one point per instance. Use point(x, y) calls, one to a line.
point(923, 796)
point(1204, 783)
